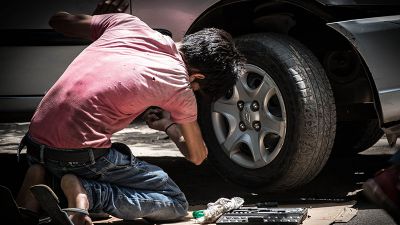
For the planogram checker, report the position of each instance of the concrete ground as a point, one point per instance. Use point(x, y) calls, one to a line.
point(335, 193)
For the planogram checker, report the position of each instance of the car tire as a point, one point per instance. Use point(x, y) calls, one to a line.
point(296, 109)
point(354, 137)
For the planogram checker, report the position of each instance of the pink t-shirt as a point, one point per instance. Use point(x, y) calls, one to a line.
point(128, 68)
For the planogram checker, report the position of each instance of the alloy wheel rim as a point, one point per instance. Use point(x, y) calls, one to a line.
point(250, 121)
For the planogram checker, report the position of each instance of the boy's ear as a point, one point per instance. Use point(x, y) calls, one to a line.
point(195, 76)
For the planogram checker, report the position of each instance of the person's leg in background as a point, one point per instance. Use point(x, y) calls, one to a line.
point(384, 188)
point(395, 160)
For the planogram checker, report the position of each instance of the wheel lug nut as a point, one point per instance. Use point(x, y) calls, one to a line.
point(242, 126)
point(256, 125)
point(254, 106)
point(240, 105)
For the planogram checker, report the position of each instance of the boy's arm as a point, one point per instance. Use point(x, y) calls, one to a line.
point(193, 140)
point(79, 25)
point(187, 137)
point(71, 25)
point(111, 6)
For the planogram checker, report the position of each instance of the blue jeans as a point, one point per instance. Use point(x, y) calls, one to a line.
point(125, 187)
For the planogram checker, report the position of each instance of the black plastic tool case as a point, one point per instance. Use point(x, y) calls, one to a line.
point(263, 216)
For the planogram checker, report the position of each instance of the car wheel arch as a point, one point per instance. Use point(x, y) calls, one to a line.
point(314, 16)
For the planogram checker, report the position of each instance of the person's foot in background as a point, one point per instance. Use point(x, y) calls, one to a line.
point(384, 190)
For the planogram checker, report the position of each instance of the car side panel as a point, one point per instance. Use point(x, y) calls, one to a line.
point(377, 41)
point(36, 14)
point(31, 70)
point(32, 55)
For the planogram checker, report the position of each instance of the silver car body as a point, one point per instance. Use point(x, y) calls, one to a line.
point(28, 70)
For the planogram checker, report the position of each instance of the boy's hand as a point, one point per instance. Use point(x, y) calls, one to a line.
point(111, 6)
point(157, 119)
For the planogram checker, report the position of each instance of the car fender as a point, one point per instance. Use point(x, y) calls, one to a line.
point(377, 41)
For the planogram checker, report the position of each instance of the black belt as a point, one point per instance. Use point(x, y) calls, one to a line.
point(43, 152)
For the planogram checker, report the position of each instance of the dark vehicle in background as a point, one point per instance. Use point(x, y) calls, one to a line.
point(322, 76)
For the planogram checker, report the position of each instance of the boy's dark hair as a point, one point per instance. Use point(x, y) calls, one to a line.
point(213, 53)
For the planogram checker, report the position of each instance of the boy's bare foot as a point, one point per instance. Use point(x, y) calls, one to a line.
point(77, 198)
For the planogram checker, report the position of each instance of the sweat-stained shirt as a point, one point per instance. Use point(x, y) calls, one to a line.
point(127, 68)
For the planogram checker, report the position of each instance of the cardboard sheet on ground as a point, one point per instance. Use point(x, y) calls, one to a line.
point(318, 214)
point(328, 213)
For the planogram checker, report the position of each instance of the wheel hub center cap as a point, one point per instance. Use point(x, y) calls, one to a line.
point(248, 116)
